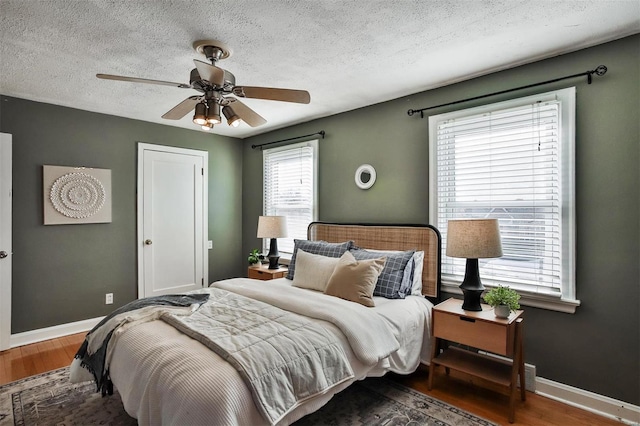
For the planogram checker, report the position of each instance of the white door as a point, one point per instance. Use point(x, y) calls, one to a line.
point(5, 240)
point(172, 220)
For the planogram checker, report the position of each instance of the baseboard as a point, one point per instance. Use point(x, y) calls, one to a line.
point(34, 336)
point(593, 402)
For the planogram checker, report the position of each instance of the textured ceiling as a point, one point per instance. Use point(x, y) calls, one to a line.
point(347, 54)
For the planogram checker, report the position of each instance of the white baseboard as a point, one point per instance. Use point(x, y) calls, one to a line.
point(593, 402)
point(34, 336)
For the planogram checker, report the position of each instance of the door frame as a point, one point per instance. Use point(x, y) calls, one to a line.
point(142, 147)
point(6, 162)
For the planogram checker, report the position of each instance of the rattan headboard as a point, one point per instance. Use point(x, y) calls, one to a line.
point(390, 237)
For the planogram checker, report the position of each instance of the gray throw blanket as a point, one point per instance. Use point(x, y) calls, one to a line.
point(95, 363)
point(283, 357)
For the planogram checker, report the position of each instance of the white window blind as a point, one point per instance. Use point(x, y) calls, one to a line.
point(290, 189)
point(512, 161)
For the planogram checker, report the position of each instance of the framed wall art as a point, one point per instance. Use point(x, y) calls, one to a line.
point(76, 195)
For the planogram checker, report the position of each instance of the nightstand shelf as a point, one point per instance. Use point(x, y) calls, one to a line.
point(484, 332)
point(479, 365)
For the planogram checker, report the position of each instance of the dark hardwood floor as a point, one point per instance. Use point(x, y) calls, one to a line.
point(454, 389)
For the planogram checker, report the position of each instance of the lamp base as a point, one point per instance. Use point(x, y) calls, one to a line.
point(273, 254)
point(471, 287)
point(472, 300)
point(273, 262)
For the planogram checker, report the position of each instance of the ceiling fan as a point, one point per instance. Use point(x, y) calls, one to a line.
point(219, 92)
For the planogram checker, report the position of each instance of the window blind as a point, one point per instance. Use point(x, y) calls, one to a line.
point(289, 189)
point(506, 164)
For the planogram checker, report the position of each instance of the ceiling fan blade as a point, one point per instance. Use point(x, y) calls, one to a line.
point(247, 115)
point(142, 80)
point(211, 73)
point(182, 109)
point(273, 94)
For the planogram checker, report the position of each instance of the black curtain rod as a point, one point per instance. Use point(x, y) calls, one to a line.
point(600, 71)
point(321, 133)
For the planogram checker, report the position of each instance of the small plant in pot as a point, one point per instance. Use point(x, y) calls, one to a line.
point(503, 300)
point(255, 257)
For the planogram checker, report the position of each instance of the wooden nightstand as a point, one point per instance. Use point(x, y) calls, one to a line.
point(262, 272)
point(482, 331)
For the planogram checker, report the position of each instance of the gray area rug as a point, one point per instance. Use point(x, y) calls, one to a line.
point(50, 399)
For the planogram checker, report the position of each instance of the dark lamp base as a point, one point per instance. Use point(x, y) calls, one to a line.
point(273, 262)
point(472, 300)
point(273, 254)
point(471, 286)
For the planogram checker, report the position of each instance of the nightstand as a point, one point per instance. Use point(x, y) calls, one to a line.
point(482, 331)
point(262, 272)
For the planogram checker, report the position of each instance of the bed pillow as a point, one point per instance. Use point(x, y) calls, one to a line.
point(416, 273)
point(412, 277)
point(355, 280)
point(313, 271)
point(322, 248)
point(390, 282)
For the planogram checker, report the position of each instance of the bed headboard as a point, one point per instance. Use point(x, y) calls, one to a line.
point(390, 237)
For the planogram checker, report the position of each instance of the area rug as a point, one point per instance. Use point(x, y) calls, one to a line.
point(50, 399)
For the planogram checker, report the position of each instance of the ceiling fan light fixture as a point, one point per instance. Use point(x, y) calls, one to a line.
point(232, 119)
point(200, 115)
point(207, 126)
point(213, 117)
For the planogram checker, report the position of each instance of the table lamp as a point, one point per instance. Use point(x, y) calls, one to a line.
point(473, 239)
point(273, 227)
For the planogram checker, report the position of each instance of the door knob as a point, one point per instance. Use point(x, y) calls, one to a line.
point(3, 254)
point(148, 242)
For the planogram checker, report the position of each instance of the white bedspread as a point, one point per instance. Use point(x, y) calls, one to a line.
point(165, 377)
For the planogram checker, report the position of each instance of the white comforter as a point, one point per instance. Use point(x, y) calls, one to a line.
point(165, 377)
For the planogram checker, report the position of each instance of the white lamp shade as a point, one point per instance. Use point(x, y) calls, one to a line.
point(474, 238)
point(272, 227)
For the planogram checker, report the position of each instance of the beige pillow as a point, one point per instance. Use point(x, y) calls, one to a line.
point(313, 270)
point(355, 280)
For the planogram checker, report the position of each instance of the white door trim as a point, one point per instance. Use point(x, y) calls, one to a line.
point(140, 202)
point(5, 233)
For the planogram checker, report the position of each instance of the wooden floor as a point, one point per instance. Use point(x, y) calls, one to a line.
point(454, 389)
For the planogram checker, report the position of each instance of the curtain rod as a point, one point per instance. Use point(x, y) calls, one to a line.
point(600, 71)
point(321, 133)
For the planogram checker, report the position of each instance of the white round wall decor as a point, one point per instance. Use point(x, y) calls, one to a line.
point(77, 195)
point(365, 176)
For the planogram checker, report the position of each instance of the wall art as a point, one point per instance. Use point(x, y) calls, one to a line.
point(75, 195)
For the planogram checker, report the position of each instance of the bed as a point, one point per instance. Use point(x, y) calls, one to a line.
point(171, 374)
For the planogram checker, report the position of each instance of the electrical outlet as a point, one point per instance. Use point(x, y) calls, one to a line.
point(108, 300)
point(530, 377)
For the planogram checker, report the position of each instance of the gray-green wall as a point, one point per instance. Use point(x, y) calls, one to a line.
point(597, 348)
point(61, 273)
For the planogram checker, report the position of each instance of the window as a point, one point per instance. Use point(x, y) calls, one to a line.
point(513, 161)
point(290, 189)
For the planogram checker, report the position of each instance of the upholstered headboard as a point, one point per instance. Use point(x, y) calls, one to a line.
point(390, 237)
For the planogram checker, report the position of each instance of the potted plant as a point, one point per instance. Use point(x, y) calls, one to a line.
point(503, 300)
point(255, 257)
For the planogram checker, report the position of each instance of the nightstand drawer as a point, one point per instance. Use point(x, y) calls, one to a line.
point(474, 332)
point(264, 274)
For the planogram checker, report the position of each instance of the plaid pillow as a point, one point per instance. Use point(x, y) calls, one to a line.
point(321, 248)
point(390, 282)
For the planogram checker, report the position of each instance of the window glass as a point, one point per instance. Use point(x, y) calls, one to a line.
point(290, 175)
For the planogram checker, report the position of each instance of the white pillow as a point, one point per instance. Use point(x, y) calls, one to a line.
point(418, 263)
point(313, 270)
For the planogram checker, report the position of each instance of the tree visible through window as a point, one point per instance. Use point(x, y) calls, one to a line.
point(290, 182)
point(512, 161)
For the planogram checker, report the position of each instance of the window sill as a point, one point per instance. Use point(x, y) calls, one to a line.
point(541, 301)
